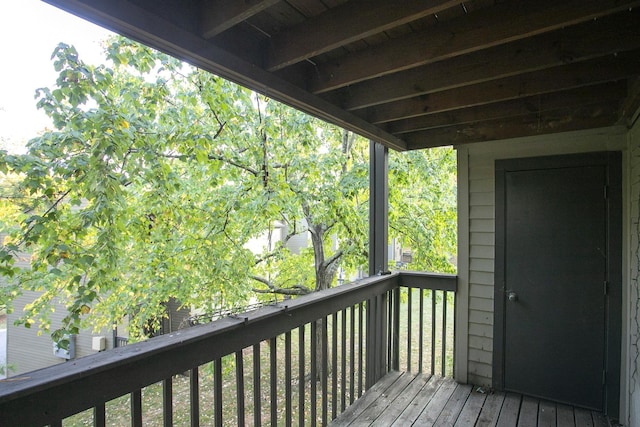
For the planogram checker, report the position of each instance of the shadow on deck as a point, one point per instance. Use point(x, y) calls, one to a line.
point(404, 399)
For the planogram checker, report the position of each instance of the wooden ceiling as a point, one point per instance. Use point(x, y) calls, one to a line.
point(409, 74)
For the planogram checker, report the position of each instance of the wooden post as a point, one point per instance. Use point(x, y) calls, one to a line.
point(378, 261)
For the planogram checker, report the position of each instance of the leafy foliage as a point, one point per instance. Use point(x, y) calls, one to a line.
point(154, 181)
point(422, 207)
point(158, 179)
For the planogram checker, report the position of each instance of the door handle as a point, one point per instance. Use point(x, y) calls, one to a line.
point(512, 296)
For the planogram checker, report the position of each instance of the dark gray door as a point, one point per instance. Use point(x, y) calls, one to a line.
point(555, 270)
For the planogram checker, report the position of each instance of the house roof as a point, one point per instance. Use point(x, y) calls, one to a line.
point(409, 74)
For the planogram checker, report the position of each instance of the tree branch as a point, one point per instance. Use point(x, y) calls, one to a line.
point(273, 289)
point(333, 258)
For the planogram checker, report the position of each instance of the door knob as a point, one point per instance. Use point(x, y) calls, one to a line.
point(512, 296)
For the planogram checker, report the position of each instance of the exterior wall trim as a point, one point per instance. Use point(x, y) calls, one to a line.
point(461, 356)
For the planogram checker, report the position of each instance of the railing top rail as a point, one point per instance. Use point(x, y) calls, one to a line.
point(432, 281)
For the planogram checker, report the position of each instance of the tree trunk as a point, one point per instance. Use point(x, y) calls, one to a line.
point(325, 273)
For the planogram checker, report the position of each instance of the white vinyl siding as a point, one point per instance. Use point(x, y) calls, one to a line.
point(633, 383)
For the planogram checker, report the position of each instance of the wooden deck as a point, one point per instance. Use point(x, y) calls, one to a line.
point(401, 399)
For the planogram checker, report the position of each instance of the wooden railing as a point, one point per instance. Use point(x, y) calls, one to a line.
point(296, 363)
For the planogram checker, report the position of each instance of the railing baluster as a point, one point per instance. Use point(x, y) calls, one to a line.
point(390, 327)
point(344, 362)
point(421, 333)
point(217, 392)
point(136, 408)
point(273, 360)
point(287, 378)
point(240, 388)
point(257, 395)
point(361, 346)
point(352, 359)
point(194, 396)
point(301, 376)
point(409, 327)
point(167, 402)
point(325, 371)
point(99, 415)
point(433, 332)
point(334, 366)
point(314, 374)
point(444, 332)
point(395, 331)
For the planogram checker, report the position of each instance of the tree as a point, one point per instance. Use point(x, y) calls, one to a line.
point(153, 181)
point(157, 176)
point(422, 207)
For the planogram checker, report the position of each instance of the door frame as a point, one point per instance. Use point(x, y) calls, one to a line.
point(613, 309)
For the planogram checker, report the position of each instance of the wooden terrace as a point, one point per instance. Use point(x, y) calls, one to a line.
point(405, 399)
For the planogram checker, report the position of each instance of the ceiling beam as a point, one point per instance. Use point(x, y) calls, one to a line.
point(569, 76)
point(602, 37)
point(139, 24)
point(220, 15)
point(564, 120)
point(500, 24)
point(345, 24)
point(631, 107)
point(573, 98)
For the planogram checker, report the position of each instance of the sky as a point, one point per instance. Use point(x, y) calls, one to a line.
point(29, 32)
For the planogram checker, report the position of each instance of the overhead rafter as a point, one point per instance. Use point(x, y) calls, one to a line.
point(517, 107)
point(600, 70)
point(576, 43)
point(220, 15)
point(631, 108)
point(339, 26)
point(563, 120)
point(500, 24)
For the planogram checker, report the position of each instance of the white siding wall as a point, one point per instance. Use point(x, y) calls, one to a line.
point(633, 394)
point(28, 351)
point(478, 193)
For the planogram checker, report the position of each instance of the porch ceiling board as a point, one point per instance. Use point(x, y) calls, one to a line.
point(594, 39)
point(601, 114)
point(220, 15)
point(503, 23)
point(342, 25)
point(400, 72)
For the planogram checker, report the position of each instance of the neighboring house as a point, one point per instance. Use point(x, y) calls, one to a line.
point(26, 350)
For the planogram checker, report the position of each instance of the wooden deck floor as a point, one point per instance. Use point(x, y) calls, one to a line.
point(401, 399)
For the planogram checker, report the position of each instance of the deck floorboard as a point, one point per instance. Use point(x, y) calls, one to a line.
point(423, 400)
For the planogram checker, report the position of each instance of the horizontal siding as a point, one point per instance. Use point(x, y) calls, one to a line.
point(480, 330)
point(633, 268)
point(481, 291)
point(482, 225)
point(481, 199)
point(480, 278)
point(482, 212)
point(481, 304)
point(482, 264)
point(481, 343)
point(28, 351)
point(481, 238)
point(481, 318)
